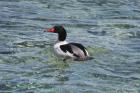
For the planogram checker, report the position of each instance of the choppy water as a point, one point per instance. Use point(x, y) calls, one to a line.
point(110, 29)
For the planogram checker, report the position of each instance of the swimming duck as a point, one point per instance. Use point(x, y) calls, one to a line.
point(67, 50)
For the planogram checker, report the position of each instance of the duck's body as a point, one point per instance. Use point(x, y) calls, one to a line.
point(70, 50)
point(67, 50)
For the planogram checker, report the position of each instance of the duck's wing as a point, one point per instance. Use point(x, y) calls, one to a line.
point(76, 49)
point(80, 47)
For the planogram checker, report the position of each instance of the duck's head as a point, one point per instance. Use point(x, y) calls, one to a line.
point(58, 29)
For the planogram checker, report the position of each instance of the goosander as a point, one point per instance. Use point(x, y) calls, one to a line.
point(67, 50)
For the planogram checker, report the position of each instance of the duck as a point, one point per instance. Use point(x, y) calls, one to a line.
point(66, 50)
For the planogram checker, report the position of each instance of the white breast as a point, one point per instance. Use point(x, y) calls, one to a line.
point(58, 50)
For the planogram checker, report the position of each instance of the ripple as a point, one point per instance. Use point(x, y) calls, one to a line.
point(108, 28)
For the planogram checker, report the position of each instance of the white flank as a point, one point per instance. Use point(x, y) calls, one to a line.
point(58, 50)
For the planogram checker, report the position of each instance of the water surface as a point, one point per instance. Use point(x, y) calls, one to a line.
point(110, 29)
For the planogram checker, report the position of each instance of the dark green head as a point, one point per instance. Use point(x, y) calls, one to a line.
point(60, 30)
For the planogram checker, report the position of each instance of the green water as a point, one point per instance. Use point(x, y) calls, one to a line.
point(110, 29)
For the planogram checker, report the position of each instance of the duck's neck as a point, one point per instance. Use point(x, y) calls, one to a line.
point(62, 36)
